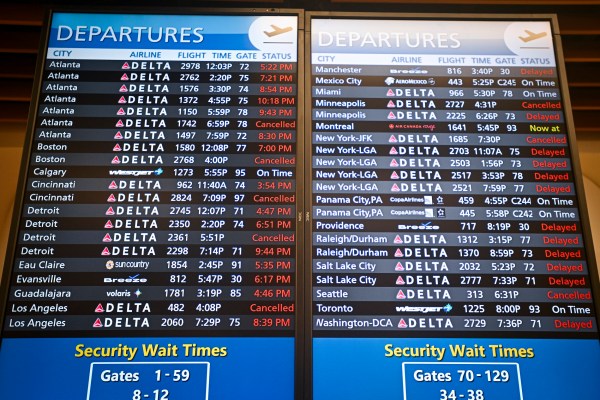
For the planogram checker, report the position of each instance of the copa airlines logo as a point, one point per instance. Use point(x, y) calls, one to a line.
point(129, 34)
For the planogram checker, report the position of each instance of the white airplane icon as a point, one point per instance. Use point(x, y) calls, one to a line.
point(277, 30)
point(532, 36)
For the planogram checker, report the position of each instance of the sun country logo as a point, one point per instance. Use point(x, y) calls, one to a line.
point(139, 264)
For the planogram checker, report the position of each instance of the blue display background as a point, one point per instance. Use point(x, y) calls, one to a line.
point(125, 380)
point(352, 369)
point(428, 380)
point(254, 368)
point(219, 32)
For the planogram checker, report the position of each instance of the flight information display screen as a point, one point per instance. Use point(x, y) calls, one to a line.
point(448, 245)
point(155, 253)
point(184, 229)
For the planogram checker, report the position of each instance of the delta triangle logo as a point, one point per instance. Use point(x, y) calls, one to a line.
point(399, 266)
point(108, 225)
point(391, 115)
point(121, 111)
point(393, 151)
point(97, 323)
point(392, 139)
point(397, 239)
point(122, 100)
point(391, 104)
point(400, 281)
point(107, 238)
point(395, 188)
point(117, 147)
point(124, 77)
point(400, 295)
point(123, 89)
point(390, 92)
point(110, 211)
point(402, 324)
point(99, 308)
point(111, 198)
point(395, 175)
point(118, 135)
point(116, 160)
point(125, 65)
point(105, 252)
point(398, 253)
point(119, 124)
point(113, 185)
point(394, 163)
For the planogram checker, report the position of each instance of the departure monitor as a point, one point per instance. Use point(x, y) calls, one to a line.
point(450, 250)
point(154, 255)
